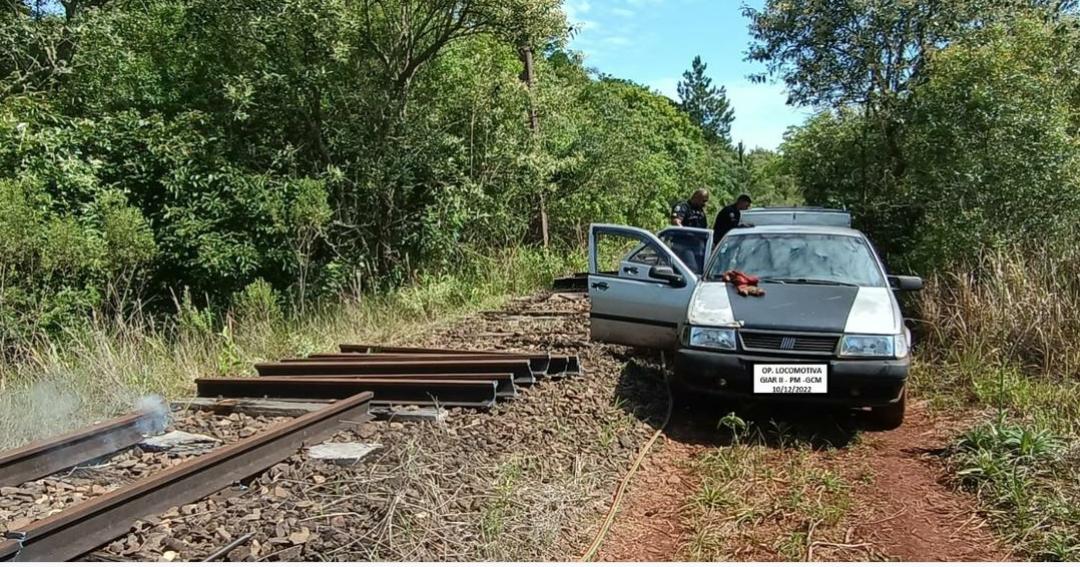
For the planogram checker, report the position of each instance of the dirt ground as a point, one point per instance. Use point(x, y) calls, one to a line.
point(896, 508)
point(532, 479)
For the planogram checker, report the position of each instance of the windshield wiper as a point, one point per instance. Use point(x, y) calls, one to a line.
point(812, 281)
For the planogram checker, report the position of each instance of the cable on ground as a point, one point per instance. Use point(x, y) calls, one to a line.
point(620, 491)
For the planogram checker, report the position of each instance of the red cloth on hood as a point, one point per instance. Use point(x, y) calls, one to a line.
point(745, 284)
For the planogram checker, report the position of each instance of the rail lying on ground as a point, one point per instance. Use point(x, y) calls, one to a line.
point(466, 390)
point(53, 455)
point(87, 526)
point(396, 376)
point(556, 365)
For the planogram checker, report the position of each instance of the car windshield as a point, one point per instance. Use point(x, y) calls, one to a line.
point(799, 258)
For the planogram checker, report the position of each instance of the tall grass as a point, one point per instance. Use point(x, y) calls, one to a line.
point(1019, 307)
point(103, 367)
point(1006, 333)
point(1004, 337)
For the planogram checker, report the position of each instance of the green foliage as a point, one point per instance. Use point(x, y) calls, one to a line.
point(54, 264)
point(986, 157)
point(1018, 469)
point(319, 148)
point(764, 175)
point(993, 133)
point(628, 158)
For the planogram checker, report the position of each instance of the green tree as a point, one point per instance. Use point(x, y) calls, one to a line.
point(707, 105)
point(994, 136)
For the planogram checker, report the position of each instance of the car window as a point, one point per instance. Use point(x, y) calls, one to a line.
point(690, 247)
point(649, 256)
point(825, 257)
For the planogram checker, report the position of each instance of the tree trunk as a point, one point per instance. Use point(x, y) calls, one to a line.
point(527, 76)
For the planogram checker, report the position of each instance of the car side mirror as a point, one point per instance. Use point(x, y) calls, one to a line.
point(905, 283)
point(667, 274)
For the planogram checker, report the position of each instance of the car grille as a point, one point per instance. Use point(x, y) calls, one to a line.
point(789, 342)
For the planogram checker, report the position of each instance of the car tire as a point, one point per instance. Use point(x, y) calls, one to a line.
point(890, 416)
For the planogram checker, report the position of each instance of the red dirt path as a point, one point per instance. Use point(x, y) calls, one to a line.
point(904, 512)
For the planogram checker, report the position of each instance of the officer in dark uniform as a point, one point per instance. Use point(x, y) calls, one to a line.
point(730, 217)
point(691, 214)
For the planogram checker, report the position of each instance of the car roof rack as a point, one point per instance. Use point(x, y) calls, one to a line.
point(798, 216)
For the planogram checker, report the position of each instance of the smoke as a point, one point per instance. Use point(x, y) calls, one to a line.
point(50, 406)
point(38, 410)
point(157, 412)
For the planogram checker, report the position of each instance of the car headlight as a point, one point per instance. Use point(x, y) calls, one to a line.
point(874, 346)
point(705, 337)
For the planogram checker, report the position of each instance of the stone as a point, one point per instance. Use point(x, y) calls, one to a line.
point(342, 453)
point(434, 415)
point(179, 441)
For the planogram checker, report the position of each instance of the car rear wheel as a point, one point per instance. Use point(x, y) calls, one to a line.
point(890, 416)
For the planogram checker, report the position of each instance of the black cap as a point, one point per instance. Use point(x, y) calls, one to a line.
point(744, 197)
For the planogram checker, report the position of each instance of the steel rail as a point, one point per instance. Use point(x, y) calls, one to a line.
point(576, 282)
point(519, 368)
point(93, 523)
point(505, 386)
point(477, 390)
point(557, 364)
point(538, 363)
point(43, 458)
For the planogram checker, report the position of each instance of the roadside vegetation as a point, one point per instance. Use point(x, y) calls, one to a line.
point(1004, 340)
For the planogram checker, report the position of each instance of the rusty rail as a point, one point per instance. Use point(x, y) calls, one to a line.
point(475, 390)
point(91, 524)
point(579, 282)
point(557, 364)
point(538, 363)
point(43, 458)
point(519, 368)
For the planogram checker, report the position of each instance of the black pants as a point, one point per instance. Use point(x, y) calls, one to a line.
point(691, 252)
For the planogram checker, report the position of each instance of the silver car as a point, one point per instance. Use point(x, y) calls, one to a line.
point(828, 329)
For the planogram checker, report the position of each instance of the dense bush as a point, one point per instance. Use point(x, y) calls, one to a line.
point(986, 158)
point(153, 147)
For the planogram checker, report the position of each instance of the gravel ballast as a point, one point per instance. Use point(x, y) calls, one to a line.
point(527, 480)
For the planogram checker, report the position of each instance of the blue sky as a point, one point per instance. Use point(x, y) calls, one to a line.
point(653, 41)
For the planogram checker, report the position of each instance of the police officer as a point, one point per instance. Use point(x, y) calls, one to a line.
point(730, 217)
point(692, 213)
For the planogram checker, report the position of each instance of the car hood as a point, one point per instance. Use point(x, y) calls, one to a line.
point(797, 307)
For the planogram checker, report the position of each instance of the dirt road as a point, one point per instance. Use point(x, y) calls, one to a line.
point(814, 487)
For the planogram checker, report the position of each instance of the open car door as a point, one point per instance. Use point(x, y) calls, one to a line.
point(691, 245)
point(643, 301)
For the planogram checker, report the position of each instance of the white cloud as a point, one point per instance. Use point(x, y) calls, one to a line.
point(623, 12)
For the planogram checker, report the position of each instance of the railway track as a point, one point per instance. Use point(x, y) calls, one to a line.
point(347, 385)
point(41, 459)
point(91, 524)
